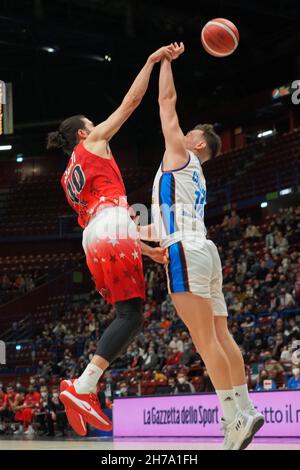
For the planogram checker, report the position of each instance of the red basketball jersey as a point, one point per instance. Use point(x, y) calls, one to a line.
point(3, 400)
point(90, 182)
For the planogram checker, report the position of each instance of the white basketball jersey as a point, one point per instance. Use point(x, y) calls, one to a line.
point(178, 200)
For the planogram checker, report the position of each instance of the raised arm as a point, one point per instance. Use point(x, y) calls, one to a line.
point(97, 141)
point(176, 154)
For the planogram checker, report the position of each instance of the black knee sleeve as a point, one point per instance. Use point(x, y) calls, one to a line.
point(120, 333)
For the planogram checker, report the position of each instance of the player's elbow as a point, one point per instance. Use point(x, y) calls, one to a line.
point(167, 102)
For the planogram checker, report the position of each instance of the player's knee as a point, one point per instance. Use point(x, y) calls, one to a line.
point(131, 310)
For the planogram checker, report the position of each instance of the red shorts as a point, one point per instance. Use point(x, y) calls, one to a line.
point(113, 255)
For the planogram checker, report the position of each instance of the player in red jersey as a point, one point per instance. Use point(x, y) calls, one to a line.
point(94, 188)
point(3, 409)
point(27, 408)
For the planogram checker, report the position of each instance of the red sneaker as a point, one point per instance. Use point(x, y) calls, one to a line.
point(77, 422)
point(88, 406)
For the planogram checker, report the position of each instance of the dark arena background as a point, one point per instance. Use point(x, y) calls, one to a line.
point(60, 58)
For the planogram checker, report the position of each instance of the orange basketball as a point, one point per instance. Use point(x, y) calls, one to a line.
point(220, 37)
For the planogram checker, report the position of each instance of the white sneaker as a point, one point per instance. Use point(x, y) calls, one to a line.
point(20, 430)
point(237, 431)
point(258, 422)
point(30, 431)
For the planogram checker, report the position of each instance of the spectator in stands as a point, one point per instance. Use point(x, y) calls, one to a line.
point(183, 386)
point(233, 221)
point(30, 406)
point(68, 338)
point(252, 233)
point(285, 300)
point(59, 330)
point(174, 357)
point(159, 375)
point(262, 271)
point(110, 386)
point(269, 238)
point(280, 244)
point(274, 302)
point(278, 347)
point(122, 391)
point(275, 370)
point(44, 418)
point(207, 385)
point(67, 367)
point(150, 360)
point(286, 354)
point(176, 343)
point(101, 397)
point(17, 408)
point(41, 369)
point(57, 413)
point(80, 366)
point(294, 380)
point(264, 383)
point(161, 357)
point(164, 324)
point(269, 262)
point(189, 354)
point(171, 385)
point(237, 334)
point(247, 324)
point(12, 399)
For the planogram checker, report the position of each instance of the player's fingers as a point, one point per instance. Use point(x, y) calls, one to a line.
point(168, 55)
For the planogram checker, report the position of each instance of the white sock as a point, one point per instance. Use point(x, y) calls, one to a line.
point(228, 404)
point(241, 396)
point(87, 382)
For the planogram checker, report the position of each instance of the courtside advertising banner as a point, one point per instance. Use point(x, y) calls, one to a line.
point(200, 415)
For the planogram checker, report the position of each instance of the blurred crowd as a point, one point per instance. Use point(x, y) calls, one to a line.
point(14, 284)
point(262, 290)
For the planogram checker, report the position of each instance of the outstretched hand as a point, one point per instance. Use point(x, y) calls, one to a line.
point(175, 50)
point(170, 52)
point(157, 56)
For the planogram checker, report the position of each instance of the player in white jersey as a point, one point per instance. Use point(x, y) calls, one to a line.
point(194, 271)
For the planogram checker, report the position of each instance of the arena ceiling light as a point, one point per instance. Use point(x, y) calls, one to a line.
point(265, 133)
point(51, 50)
point(5, 147)
point(286, 191)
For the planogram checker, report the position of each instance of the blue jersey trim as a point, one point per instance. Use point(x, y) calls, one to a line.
point(166, 201)
point(177, 269)
point(176, 169)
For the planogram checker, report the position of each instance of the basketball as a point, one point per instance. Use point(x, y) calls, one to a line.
point(220, 37)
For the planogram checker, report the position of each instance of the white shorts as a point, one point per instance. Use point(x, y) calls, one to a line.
point(195, 266)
